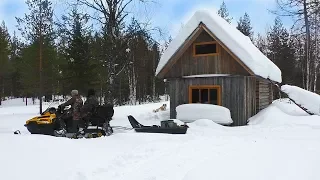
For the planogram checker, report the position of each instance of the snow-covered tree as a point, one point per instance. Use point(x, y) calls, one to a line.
point(244, 26)
point(224, 13)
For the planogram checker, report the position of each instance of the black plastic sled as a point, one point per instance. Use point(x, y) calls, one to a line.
point(168, 127)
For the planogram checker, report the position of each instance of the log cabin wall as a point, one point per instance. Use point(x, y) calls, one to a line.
point(221, 63)
point(263, 94)
point(237, 94)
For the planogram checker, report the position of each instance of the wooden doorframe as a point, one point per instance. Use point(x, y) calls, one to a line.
point(217, 87)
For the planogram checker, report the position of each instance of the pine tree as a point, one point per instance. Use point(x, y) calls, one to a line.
point(78, 70)
point(113, 17)
point(281, 51)
point(15, 59)
point(244, 26)
point(224, 13)
point(4, 56)
point(261, 44)
point(37, 29)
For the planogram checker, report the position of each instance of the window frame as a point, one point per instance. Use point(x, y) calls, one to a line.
point(217, 87)
point(203, 43)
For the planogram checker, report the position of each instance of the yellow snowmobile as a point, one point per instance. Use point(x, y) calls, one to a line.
point(43, 124)
point(48, 123)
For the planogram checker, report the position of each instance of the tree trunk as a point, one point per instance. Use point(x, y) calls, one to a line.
point(153, 79)
point(101, 92)
point(316, 60)
point(0, 93)
point(132, 85)
point(40, 60)
point(132, 88)
point(307, 46)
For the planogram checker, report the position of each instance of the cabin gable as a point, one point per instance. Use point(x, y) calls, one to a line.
point(192, 62)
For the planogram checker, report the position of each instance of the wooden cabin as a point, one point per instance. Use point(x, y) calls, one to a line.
point(210, 61)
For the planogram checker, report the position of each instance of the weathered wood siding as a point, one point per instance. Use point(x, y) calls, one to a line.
point(223, 63)
point(237, 94)
point(264, 94)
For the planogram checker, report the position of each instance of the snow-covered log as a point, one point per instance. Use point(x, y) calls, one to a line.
point(306, 99)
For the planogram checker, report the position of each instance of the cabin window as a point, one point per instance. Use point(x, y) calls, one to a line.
point(205, 49)
point(205, 94)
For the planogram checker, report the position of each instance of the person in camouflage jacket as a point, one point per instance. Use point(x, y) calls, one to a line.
point(76, 105)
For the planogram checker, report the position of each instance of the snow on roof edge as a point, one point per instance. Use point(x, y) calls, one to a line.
point(206, 75)
point(232, 38)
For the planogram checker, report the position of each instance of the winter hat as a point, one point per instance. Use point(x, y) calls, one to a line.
point(74, 92)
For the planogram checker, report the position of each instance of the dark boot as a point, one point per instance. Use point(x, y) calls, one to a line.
point(81, 127)
point(62, 127)
point(75, 125)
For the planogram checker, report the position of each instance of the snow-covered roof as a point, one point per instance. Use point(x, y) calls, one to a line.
point(239, 44)
point(206, 75)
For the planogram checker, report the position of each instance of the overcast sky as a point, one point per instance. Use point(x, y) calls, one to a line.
point(166, 14)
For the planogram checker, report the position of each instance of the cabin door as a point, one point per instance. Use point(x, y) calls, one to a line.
point(205, 94)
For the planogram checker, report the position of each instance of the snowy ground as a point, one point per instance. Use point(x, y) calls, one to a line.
point(281, 142)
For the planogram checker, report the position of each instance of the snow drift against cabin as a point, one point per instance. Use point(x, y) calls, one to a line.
point(238, 43)
point(307, 99)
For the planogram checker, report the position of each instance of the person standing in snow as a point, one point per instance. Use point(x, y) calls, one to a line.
point(76, 105)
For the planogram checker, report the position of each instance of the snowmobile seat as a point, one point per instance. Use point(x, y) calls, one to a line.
point(105, 111)
point(101, 115)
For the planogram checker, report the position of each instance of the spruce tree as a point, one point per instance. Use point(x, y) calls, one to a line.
point(15, 59)
point(78, 70)
point(37, 29)
point(4, 56)
point(224, 13)
point(281, 51)
point(244, 26)
point(261, 43)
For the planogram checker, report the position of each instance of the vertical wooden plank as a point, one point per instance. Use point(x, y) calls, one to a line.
point(172, 98)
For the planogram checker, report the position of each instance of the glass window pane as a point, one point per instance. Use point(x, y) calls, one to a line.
point(214, 96)
point(195, 95)
point(204, 96)
point(206, 49)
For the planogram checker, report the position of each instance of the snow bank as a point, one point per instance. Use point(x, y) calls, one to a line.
point(306, 99)
point(207, 123)
point(238, 43)
point(275, 115)
point(288, 107)
point(192, 112)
